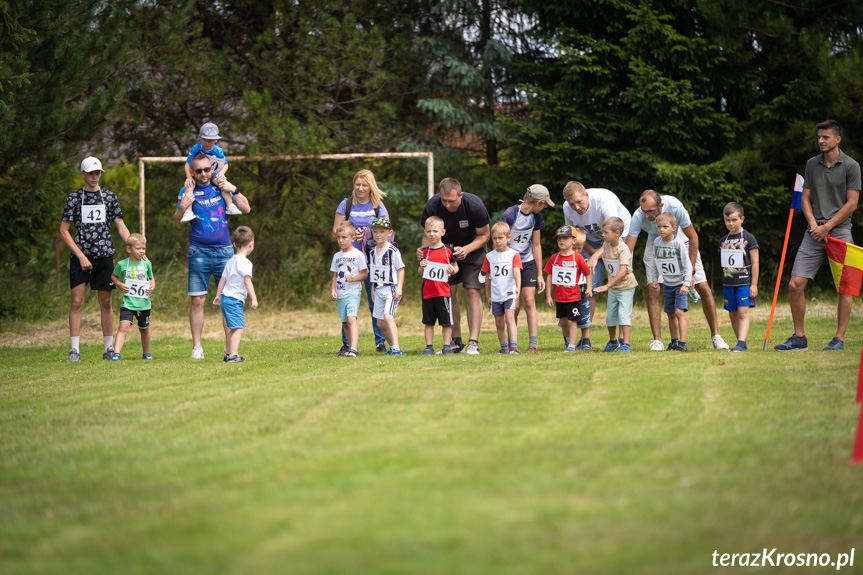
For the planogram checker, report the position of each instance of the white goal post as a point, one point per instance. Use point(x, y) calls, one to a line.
point(142, 161)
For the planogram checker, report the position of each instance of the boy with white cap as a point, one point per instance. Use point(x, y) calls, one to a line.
point(91, 209)
point(208, 145)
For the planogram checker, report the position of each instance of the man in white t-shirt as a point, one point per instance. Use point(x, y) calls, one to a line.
point(651, 204)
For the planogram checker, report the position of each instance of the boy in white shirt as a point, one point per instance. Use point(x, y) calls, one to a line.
point(349, 271)
point(235, 285)
point(501, 272)
point(387, 271)
point(673, 266)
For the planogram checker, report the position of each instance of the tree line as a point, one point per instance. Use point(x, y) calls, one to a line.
point(709, 101)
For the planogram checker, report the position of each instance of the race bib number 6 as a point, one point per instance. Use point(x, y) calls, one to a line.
point(436, 272)
point(93, 214)
point(731, 258)
point(138, 288)
point(562, 276)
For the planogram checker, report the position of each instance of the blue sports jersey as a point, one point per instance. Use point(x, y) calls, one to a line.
point(210, 226)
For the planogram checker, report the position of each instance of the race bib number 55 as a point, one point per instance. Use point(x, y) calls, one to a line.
point(562, 276)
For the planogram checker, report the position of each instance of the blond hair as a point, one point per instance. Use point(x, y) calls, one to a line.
point(432, 220)
point(666, 217)
point(347, 226)
point(375, 193)
point(135, 240)
point(500, 228)
point(613, 223)
point(580, 239)
point(571, 189)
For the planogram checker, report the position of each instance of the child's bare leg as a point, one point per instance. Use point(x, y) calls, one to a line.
point(122, 330)
point(392, 330)
point(672, 325)
point(227, 197)
point(528, 302)
point(429, 331)
point(384, 329)
point(742, 330)
point(511, 326)
point(572, 331)
point(626, 333)
point(447, 334)
point(735, 323)
point(681, 323)
point(233, 343)
point(352, 332)
point(612, 333)
point(585, 332)
point(145, 339)
point(500, 325)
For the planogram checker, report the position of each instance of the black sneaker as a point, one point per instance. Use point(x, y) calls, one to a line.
point(343, 350)
point(235, 359)
point(457, 346)
point(108, 353)
point(382, 348)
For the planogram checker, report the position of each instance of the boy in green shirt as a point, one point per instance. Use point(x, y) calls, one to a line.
point(134, 277)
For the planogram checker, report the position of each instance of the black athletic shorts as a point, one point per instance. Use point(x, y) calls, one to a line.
point(99, 277)
point(142, 315)
point(569, 310)
point(437, 308)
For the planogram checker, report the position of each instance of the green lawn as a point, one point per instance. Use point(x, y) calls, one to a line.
point(301, 462)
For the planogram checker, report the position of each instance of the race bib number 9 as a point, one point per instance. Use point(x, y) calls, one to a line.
point(562, 276)
point(378, 274)
point(436, 272)
point(138, 288)
point(94, 214)
point(667, 266)
point(612, 267)
point(731, 258)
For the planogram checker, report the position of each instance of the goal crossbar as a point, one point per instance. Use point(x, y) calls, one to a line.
point(142, 161)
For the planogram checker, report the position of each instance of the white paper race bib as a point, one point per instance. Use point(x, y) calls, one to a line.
point(436, 272)
point(668, 266)
point(93, 214)
point(612, 267)
point(520, 240)
point(378, 274)
point(499, 271)
point(731, 258)
point(138, 288)
point(562, 276)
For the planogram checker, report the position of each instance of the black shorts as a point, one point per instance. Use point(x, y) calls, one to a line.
point(468, 270)
point(528, 274)
point(568, 310)
point(142, 315)
point(437, 308)
point(99, 277)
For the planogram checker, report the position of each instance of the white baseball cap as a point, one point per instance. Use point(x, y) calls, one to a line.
point(91, 164)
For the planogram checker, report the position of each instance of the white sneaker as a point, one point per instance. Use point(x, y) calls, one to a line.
point(657, 345)
point(197, 353)
point(719, 343)
point(233, 210)
point(472, 348)
point(188, 215)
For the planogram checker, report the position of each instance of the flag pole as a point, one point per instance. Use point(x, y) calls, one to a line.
point(778, 278)
point(796, 199)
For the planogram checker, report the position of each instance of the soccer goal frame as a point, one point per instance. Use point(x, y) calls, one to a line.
point(144, 160)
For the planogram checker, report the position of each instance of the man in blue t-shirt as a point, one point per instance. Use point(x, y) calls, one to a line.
point(210, 242)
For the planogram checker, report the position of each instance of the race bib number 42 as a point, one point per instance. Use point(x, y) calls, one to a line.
point(93, 214)
point(138, 288)
point(562, 276)
point(436, 272)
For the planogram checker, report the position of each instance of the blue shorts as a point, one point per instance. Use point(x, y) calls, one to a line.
point(348, 306)
point(206, 262)
point(737, 296)
point(674, 300)
point(619, 307)
point(584, 308)
point(232, 309)
point(500, 307)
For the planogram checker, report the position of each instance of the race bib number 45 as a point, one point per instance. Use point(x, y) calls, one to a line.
point(436, 272)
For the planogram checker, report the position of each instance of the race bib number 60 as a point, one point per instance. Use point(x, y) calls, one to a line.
point(562, 276)
point(436, 272)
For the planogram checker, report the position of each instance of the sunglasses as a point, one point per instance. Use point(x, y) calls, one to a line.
point(202, 170)
point(652, 212)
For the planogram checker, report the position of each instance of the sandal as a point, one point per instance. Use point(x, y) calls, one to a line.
point(352, 353)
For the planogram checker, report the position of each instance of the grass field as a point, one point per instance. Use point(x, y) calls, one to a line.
point(301, 462)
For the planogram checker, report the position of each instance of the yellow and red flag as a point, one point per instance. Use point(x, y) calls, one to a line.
point(846, 263)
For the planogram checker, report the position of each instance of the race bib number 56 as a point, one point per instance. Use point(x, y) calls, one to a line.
point(138, 288)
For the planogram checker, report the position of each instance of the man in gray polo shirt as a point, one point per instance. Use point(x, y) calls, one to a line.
point(831, 189)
